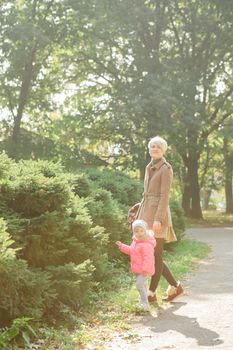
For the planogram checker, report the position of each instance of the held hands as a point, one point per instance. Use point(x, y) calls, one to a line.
point(156, 226)
point(132, 212)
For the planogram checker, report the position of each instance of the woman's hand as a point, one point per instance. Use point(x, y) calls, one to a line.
point(132, 213)
point(131, 217)
point(156, 226)
point(118, 243)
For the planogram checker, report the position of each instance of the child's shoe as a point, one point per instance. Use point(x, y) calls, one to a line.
point(173, 292)
point(145, 307)
point(142, 309)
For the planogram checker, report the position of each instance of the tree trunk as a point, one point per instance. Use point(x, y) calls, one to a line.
point(228, 178)
point(142, 163)
point(206, 199)
point(186, 200)
point(191, 195)
point(196, 211)
point(228, 193)
point(23, 99)
point(142, 173)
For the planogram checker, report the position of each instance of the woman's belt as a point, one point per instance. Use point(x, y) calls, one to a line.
point(152, 195)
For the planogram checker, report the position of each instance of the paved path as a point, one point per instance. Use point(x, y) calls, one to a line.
point(203, 318)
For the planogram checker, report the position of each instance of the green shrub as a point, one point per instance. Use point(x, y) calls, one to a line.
point(8, 167)
point(104, 211)
point(177, 219)
point(23, 291)
point(21, 329)
point(124, 189)
point(72, 282)
point(34, 195)
point(81, 185)
point(44, 167)
point(43, 240)
point(56, 237)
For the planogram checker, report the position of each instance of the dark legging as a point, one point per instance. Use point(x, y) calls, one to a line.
point(160, 267)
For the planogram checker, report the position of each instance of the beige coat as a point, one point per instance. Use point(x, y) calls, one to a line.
point(155, 203)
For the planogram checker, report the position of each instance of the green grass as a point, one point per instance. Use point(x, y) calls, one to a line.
point(111, 311)
point(211, 218)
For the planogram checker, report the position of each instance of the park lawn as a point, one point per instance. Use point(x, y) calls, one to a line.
point(110, 312)
point(211, 218)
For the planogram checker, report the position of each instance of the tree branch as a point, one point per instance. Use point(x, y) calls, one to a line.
point(11, 107)
point(178, 40)
point(206, 166)
point(220, 105)
point(215, 126)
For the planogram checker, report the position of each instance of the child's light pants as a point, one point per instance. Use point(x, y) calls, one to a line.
point(142, 287)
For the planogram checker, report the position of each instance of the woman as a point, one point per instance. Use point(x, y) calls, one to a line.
point(154, 209)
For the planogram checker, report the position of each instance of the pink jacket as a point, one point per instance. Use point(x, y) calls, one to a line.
point(141, 254)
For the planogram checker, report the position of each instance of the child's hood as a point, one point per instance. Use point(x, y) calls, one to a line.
point(149, 240)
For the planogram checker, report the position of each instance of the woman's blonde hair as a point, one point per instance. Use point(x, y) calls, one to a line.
point(157, 140)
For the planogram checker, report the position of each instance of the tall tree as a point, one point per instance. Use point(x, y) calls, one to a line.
point(159, 67)
point(228, 157)
point(129, 70)
point(149, 67)
point(227, 150)
point(31, 36)
point(128, 99)
point(201, 70)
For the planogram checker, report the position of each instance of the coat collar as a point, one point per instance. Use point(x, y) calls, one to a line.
point(158, 164)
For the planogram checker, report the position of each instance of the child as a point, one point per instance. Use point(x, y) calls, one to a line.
point(141, 252)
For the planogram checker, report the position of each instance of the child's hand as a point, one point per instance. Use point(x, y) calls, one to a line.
point(118, 243)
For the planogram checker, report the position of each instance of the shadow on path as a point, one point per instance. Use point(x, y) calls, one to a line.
point(188, 326)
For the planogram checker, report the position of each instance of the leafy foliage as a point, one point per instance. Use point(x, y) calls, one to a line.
point(24, 291)
point(56, 252)
point(105, 212)
point(20, 328)
point(122, 187)
point(177, 219)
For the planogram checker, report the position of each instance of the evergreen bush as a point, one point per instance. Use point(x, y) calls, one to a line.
point(81, 185)
point(72, 282)
point(23, 291)
point(33, 195)
point(59, 251)
point(104, 211)
point(123, 188)
point(8, 167)
point(58, 233)
point(177, 219)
